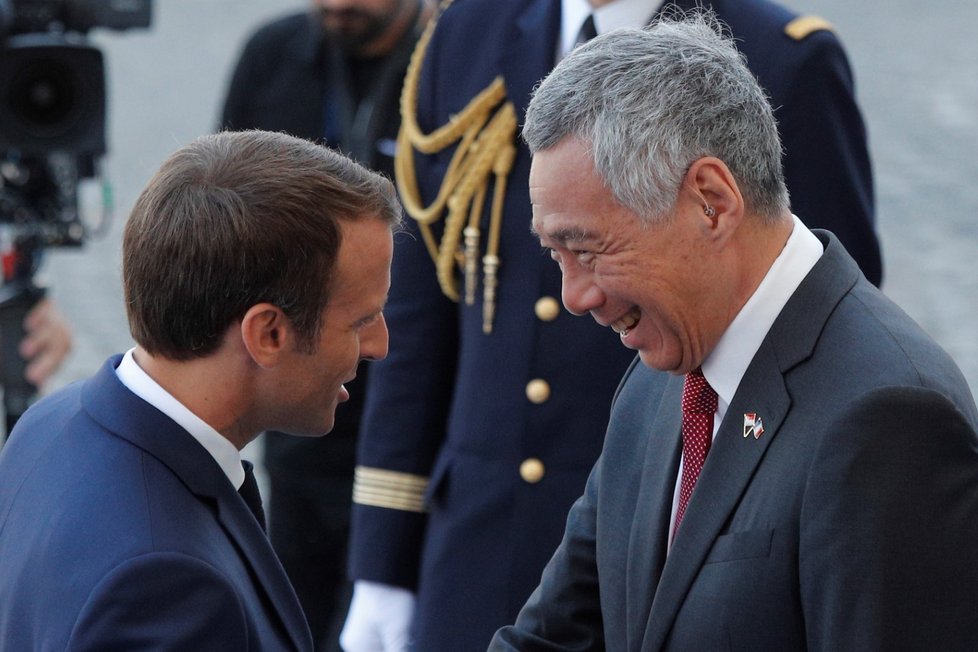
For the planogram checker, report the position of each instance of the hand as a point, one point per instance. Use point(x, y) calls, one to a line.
point(46, 342)
point(379, 619)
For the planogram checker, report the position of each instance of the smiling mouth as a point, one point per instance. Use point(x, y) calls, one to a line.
point(626, 322)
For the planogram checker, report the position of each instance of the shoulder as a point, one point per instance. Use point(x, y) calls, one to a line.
point(885, 327)
point(769, 20)
point(776, 40)
point(281, 30)
point(289, 37)
point(861, 342)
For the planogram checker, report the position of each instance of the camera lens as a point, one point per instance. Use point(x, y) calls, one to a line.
point(43, 97)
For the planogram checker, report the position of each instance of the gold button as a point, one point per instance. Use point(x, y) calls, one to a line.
point(538, 391)
point(532, 470)
point(547, 309)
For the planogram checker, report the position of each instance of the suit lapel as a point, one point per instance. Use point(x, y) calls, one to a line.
point(733, 459)
point(120, 411)
point(244, 530)
point(650, 529)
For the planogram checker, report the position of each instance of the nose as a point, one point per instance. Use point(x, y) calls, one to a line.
point(578, 292)
point(373, 340)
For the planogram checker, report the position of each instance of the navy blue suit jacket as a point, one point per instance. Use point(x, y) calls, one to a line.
point(450, 403)
point(851, 523)
point(118, 531)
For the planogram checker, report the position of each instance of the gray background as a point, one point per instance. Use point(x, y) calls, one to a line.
point(916, 68)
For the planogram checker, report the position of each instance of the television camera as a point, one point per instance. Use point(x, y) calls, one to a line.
point(52, 135)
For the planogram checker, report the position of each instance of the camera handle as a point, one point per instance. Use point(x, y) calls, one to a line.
point(16, 300)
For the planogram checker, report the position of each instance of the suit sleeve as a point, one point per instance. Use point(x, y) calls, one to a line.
point(408, 399)
point(162, 597)
point(827, 167)
point(890, 527)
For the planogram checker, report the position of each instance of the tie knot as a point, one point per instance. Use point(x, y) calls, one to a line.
point(698, 396)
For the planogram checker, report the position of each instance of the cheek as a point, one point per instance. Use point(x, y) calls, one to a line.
point(624, 279)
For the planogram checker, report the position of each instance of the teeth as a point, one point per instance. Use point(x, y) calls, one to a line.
point(625, 324)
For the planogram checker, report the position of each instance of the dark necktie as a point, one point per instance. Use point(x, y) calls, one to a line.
point(699, 405)
point(249, 492)
point(588, 31)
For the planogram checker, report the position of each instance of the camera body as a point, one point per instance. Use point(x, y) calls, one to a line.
point(52, 134)
point(52, 114)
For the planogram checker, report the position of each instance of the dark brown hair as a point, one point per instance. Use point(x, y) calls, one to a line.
point(235, 219)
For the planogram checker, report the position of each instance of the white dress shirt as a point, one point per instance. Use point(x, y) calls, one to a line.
point(726, 365)
point(620, 13)
point(222, 450)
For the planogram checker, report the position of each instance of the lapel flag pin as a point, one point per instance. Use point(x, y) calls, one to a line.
point(753, 425)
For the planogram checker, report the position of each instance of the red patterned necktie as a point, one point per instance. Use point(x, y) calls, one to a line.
point(699, 406)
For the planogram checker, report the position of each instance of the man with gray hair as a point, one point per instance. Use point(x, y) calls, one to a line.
point(805, 476)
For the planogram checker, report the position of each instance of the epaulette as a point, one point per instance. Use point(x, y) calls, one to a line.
point(802, 26)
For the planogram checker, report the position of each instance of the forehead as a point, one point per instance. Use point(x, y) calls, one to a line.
point(362, 271)
point(570, 201)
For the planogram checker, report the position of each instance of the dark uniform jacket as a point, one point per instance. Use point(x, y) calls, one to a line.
point(498, 432)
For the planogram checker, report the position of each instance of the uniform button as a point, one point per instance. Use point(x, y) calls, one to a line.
point(547, 309)
point(538, 391)
point(531, 470)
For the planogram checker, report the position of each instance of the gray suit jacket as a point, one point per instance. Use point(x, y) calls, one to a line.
point(850, 524)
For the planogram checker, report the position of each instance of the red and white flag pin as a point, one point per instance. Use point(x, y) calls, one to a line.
point(753, 425)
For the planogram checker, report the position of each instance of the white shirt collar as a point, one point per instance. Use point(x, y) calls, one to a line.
point(620, 13)
point(222, 450)
point(727, 363)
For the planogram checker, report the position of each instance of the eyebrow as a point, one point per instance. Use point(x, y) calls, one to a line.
point(566, 235)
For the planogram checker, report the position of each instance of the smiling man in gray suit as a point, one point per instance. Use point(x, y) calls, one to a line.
point(806, 474)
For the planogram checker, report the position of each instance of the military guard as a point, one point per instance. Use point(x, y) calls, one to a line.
point(482, 424)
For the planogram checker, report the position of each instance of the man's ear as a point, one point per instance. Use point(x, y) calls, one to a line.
point(712, 186)
point(265, 333)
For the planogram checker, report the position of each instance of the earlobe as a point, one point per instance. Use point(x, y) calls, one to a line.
point(264, 333)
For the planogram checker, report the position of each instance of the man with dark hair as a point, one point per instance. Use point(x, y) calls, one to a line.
point(804, 476)
point(331, 74)
point(256, 266)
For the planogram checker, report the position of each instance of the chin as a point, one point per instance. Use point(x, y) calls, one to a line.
point(309, 430)
point(653, 361)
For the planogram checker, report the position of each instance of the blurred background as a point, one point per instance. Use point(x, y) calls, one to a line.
point(916, 69)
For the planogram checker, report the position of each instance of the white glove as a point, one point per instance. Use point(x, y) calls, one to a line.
point(379, 619)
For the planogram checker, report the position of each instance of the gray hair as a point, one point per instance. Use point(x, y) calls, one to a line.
point(651, 102)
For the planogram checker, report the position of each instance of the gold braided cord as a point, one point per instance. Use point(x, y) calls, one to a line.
point(483, 133)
